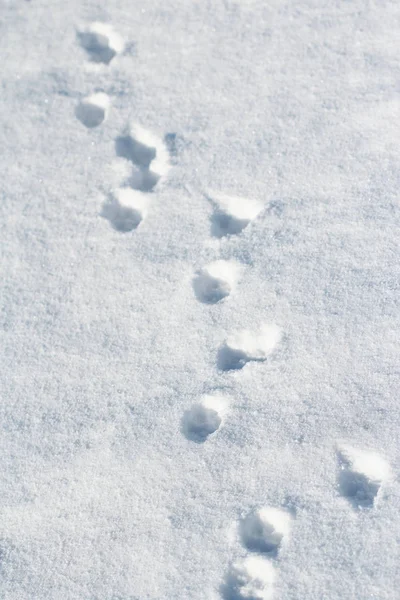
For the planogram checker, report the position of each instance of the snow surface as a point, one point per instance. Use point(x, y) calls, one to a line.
point(105, 346)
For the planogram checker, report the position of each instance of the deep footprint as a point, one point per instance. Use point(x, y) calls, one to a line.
point(251, 578)
point(126, 209)
point(148, 155)
point(204, 418)
point(361, 476)
point(232, 213)
point(215, 281)
point(101, 42)
point(265, 530)
point(93, 110)
point(245, 346)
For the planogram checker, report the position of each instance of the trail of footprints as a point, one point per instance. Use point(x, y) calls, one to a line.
point(361, 474)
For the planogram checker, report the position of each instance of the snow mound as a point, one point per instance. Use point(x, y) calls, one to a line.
point(245, 346)
point(232, 213)
point(126, 209)
point(250, 579)
point(146, 152)
point(101, 42)
point(265, 529)
point(93, 110)
point(361, 475)
point(215, 281)
point(204, 417)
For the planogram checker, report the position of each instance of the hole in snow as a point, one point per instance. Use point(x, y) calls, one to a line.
point(251, 578)
point(265, 529)
point(232, 213)
point(215, 281)
point(101, 42)
point(245, 346)
point(147, 153)
point(361, 476)
point(126, 209)
point(92, 111)
point(204, 418)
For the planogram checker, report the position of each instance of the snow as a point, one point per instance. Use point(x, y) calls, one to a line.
point(92, 111)
point(260, 134)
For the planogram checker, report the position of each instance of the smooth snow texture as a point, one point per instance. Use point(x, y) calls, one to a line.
point(245, 345)
point(126, 209)
point(101, 41)
point(204, 417)
point(265, 529)
point(93, 110)
point(250, 579)
point(216, 281)
point(147, 152)
point(361, 475)
point(232, 213)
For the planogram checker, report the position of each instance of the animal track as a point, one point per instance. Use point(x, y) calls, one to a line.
point(251, 578)
point(265, 529)
point(101, 42)
point(147, 153)
point(126, 209)
point(245, 346)
point(92, 110)
point(215, 281)
point(361, 475)
point(232, 213)
point(204, 418)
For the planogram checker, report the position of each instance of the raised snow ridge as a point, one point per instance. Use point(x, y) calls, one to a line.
point(92, 110)
point(251, 578)
point(204, 417)
point(232, 213)
point(101, 42)
point(215, 281)
point(147, 152)
point(265, 529)
point(126, 209)
point(244, 346)
point(361, 475)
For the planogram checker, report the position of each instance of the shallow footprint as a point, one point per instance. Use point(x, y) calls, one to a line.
point(361, 475)
point(232, 213)
point(126, 209)
point(101, 42)
point(265, 530)
point(245, 346)
point(204, 418)
point(147, 153)
point(251, 578)
point(215, 281)
point(92, 110)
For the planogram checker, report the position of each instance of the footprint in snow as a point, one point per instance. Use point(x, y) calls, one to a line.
point(251, 578)
point(204, 418)
point(265, 530)
point(148, 155)
point(125, 209)
point(215, 281)
point(361, 476)
point(93, 110)
point(245, 346)
point(232, 213)
point(101, 42)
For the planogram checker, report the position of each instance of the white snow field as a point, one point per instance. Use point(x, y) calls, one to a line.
point(200, 300)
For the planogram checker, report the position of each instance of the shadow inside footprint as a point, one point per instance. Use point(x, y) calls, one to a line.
point(230, 359)
point(223, 224)
point(130, 149)
point(357, 488)
point(199, 422)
